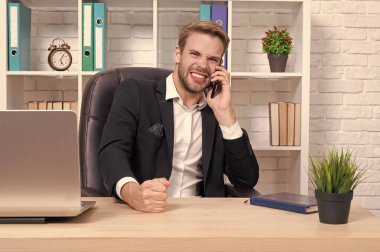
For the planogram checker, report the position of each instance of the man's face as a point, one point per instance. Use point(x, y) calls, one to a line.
point(197, 61)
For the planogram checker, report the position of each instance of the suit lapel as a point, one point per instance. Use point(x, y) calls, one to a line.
point(166, 109)
point(208, 135)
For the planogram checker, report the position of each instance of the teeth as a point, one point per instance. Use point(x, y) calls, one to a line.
point(198, 75)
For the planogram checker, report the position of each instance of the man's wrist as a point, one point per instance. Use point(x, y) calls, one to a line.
point(128, 190)
point(232, 132)
point(121, 183)
point(226, 118)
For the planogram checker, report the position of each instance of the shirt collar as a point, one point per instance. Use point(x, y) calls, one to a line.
point(171, 93)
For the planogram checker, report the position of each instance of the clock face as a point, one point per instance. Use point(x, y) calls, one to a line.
point(60, 59)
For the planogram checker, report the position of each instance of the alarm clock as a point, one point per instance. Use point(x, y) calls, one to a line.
point(59, 58)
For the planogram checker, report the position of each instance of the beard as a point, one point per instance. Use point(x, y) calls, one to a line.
point(183, 73)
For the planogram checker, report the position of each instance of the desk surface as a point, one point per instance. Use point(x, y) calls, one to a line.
point(203, 224)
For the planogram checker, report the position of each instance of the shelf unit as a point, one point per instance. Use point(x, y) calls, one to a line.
point(144, 32)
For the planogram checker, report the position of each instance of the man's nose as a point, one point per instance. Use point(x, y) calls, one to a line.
point(203, 62)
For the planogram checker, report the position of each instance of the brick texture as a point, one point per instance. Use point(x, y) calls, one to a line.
point(344, 85)
point(350, 44)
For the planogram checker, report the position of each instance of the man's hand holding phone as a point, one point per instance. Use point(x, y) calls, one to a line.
point(220, 99)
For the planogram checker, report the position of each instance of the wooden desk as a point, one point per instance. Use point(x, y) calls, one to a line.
point(194, 224)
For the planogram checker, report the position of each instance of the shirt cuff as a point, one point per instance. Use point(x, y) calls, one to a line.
point(231, 133)
point(121, 183)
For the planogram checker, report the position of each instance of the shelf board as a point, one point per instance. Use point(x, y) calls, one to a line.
point(275, 1)
point(264, 4)
point(89, 73)
point(130, 4)
point(277, 148)
point(42, 73)
point(263, 75)
point(50, 4)
point(256, 75)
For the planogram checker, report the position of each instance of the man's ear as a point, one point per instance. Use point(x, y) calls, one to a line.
point(177, 54)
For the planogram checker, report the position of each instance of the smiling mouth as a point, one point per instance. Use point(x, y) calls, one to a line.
point(199, 75)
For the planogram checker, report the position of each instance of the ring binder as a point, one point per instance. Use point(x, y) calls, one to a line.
point(100, 40)
point(19, 18)
point(87, 37)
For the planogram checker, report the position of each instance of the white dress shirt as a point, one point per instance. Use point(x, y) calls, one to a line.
point(186, 176)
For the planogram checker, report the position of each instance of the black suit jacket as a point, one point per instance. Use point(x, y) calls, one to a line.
point(130, 148)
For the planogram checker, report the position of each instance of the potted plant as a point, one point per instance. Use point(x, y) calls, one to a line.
point(334, 177)
point(277, 44)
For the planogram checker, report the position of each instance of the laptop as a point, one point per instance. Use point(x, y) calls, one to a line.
point(39, 165)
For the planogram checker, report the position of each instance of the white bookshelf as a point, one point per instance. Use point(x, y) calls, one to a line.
point(147, 21)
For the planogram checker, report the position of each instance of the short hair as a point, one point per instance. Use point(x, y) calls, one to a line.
point(206, 27)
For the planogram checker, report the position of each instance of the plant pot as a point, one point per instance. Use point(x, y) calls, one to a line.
point(277, 63)
point(333, 208)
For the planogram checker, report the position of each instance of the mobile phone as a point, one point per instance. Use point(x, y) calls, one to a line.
point(215, 89)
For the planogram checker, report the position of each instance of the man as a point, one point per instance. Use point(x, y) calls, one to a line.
point(168, 139)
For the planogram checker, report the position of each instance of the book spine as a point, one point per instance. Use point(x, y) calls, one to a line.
point(87, 37)
point(290, 137)
point(100, 40)
point(19, 18)
point(205, 12)
point(297, 124)
point(283, 122)
point(279, 205)
point(274, 124)
point(219, 14)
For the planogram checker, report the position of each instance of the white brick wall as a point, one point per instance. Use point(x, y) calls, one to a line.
point(249, 25)
point(50, 89)
point(344, 86)
point(48, 25)
point(345, 93)
point(169, 23)
point(130, 37)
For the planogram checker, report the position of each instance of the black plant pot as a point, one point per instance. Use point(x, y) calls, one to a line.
point(333, 208)
point(277, 63)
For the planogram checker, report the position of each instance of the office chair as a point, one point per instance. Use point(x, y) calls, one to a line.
point(96, 103)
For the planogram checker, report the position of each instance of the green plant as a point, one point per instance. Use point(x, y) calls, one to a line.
point(277, 42)
point(336, 172)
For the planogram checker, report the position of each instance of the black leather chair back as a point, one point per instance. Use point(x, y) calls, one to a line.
point(96, 103)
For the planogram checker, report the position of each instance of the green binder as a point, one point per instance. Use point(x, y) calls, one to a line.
point(87, 37)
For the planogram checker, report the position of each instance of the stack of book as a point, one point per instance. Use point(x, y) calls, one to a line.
point(285, 123)
point(53, 105)
point(94, 40)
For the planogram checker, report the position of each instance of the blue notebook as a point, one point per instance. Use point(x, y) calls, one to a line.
point(287, 201)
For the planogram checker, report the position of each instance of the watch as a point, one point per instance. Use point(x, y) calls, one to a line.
point(59, 58)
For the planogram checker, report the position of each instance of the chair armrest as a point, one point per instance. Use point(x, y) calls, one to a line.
point(241, 192)
point(91, 192)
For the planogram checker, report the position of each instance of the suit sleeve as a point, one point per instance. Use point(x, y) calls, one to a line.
point(241, 167)
point(118, 135)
